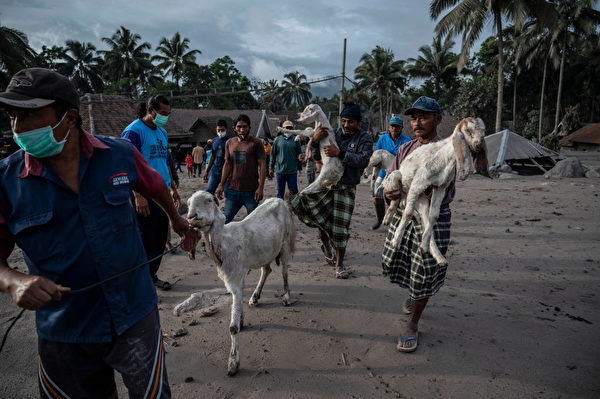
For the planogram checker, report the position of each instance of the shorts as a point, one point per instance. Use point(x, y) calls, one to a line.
point(75, 370)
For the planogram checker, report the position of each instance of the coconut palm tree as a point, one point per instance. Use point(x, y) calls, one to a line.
point(295, 90)
point(270, 95)
point(572, 17)
point(381, 76)
point(468, 18)
point(82, 66)
point(15, 53)
point(125, 57)
point(173, 58)
point(437, 61)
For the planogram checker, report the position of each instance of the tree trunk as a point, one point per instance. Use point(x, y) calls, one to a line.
point(560, 84)
point(542, 100)
point(514, 122)
point(498, 18)
point(380, 111)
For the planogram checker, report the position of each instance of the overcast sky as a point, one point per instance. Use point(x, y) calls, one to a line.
point(266, 39)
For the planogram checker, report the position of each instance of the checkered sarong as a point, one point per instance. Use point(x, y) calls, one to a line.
point(408, 266)
point(330, 210)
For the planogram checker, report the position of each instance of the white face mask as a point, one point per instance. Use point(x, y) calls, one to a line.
point(221, 134)
point(287, 134)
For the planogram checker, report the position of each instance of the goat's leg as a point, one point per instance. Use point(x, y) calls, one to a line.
point(264, 273)
point(235, 327)
point(389, 214)
point(286, 288)
point(427, 240)
point(411, 199)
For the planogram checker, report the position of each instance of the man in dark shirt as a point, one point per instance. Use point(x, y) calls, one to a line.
point(245, 168)
point(65, 201)
point(330, 210)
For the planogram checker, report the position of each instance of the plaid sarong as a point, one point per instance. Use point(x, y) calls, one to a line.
point(408, 266)
point(330, 210)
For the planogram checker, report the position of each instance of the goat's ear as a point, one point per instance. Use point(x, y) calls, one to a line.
point(480, 161)
point(464, 164)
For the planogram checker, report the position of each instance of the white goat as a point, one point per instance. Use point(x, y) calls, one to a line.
point(267, 234)
point(381, 159)
point(435, 165)
point(332, 169)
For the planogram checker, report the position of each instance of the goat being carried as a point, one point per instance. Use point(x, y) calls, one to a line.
point(332, 169)
point(435, 165)
point(267, 234)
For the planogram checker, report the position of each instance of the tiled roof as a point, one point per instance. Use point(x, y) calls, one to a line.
point(101, 114)
point(589, 134)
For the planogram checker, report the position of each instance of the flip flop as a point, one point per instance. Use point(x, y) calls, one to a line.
point(163, 285)
point(343, 274)
point(402, 341)
point(407, 306)
point(330, 260)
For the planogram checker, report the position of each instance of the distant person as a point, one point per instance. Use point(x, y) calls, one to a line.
point(268, 148)
point(286, 152)
point(390, 142)
point(65, 201)
point(189, 164)
point(150, 138)
point(214, 169)
point(245, 168)
point(179, 156)
point(310, 164)
point(408, 266)
point(199, 156)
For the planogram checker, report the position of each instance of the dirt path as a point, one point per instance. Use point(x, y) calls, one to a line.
point(519, 315)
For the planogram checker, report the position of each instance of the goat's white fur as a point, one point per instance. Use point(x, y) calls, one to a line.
point(381, 159)
point(333, 168)
point(435, 165)
point(267, 234)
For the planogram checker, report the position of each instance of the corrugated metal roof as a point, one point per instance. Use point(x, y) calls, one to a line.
point(509, 146)
point(589, 134)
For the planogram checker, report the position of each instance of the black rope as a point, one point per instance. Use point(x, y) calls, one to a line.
point(80, 290)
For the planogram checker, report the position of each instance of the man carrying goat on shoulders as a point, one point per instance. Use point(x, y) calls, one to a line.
point(407, 265)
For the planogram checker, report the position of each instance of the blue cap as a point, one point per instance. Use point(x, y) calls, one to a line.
point(427, 104)
point(396, 120)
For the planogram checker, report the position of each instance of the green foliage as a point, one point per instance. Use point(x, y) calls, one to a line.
point(551, 141)
point(530, 130)
point(476, 97)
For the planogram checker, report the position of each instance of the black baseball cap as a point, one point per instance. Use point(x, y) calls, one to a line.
point(39, 87)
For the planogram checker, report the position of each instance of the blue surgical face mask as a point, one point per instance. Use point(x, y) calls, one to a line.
point(41, 143)
point(221, 134)
point(160, 120)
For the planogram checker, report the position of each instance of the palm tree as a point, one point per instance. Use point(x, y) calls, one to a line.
point(125, 58)
point(294, 90)
point(381, 76)
point(436, 61)
point(15, 53)
point(270, 97)
point(173, 59)
point(82, 66)
point(468, 18)
point(572, 17)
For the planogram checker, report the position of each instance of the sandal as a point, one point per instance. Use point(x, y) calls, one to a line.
point(163, 285)
point(342, 274)
point(330, 260)
point(407, 306)
point(402, 341)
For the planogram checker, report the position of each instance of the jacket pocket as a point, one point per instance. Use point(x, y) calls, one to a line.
point(37, 237)
point(121, 211)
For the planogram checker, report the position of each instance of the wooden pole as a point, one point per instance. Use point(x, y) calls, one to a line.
point(342, 85)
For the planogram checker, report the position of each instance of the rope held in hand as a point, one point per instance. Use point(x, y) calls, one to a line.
point(79, 290)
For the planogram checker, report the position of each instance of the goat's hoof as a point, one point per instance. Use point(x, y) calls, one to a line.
point(396, 243)
point(233, 368)
point(253, 302)
point(286, 300)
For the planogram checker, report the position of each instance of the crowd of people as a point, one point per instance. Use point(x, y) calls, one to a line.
point(85, 208)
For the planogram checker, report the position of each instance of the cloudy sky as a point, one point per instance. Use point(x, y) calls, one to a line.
point(266, 39)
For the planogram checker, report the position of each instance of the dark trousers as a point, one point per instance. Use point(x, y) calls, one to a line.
point(154, 229)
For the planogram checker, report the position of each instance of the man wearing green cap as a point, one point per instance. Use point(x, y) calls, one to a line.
point(65, 201)
point(390, 142)
point(407, 265)
point(330, 210)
